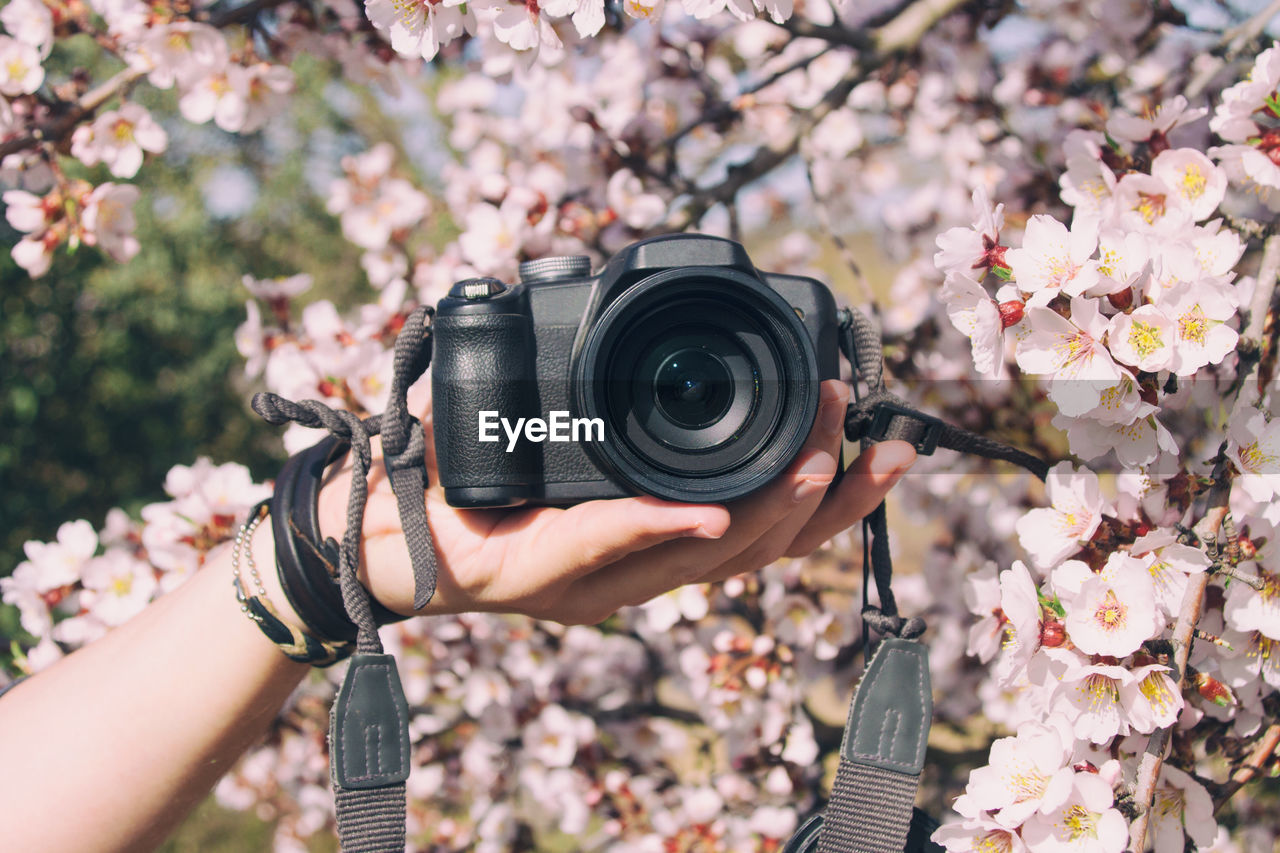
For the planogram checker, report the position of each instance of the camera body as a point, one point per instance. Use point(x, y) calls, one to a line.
point(679, 370)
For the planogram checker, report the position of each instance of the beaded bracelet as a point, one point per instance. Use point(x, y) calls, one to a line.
point(295, 643)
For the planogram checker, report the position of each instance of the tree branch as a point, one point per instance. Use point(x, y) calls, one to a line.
point(1233, 42)
point(1251, 768)
point(55, 128)
point(1207, 529)
point(903, 32)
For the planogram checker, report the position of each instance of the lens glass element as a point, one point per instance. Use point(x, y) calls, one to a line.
point(693, 388)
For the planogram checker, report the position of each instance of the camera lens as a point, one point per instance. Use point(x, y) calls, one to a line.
point(706, 381)
point(693, 388)
point(687, 388)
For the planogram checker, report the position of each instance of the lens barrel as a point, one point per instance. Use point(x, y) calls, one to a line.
point(706, 380)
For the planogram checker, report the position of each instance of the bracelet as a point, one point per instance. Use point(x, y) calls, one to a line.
point(295, 643)
point(308, 562)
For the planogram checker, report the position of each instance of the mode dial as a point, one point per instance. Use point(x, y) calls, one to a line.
point(555, 267)
point(473, 289)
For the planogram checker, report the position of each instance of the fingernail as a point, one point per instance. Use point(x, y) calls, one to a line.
point(700, 532)
point(817, 474)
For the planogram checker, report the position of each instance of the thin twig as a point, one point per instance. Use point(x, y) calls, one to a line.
point(828, 227)
point(55, 128)
point(1252, 766)
point(1208, 530)
point(1233, 42)
point(903, 32)
point(59, 126)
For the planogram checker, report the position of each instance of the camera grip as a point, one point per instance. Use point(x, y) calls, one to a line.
point(483, 362)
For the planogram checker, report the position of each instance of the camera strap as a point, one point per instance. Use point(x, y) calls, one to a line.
point(369, 744)
point(882, 753)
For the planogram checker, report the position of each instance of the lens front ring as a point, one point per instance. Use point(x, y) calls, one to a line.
point(788, 378)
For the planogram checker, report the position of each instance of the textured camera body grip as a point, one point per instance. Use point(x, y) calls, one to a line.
point(483, 362)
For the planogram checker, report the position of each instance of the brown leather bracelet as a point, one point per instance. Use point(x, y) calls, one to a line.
point(307, 562)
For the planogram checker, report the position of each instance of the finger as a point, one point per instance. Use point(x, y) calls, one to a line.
point(640, 577)
point(827, 435)
point(514, 560)
point(864, 485)
point(582, 539)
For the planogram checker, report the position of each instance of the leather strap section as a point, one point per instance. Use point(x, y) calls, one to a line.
point(308, 564)
point(369, 725)
point(892, 710)
point(882, 754)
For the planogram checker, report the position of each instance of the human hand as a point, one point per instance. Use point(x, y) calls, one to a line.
point(581, 564)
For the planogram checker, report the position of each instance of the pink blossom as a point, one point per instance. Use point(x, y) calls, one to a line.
point(1253, 446)
point(1053, 259)
point(1084, 823)
point(1143, 339)
point(120, 585)
point(556, 735)
point(179, 52)
point(1164, 118)
point(420, 28)
point(109, 222)
point(118, 138)
point(978, 833)
point(29, 21)
point(1248, 610)
point(1193, 179)
point(1112, 612)
point(1071, 352)
point(967, 249)
point(1054, 533)
point(1027, 774)
point(20, 70)
point(1181, 808)
point(1152, 699)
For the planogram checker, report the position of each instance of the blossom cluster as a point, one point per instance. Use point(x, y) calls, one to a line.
point(1126, 314)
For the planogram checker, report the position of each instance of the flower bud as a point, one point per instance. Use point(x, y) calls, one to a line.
point(1011, 312)
point(1052, 634)
point(1214, 690)
point(1122, 299)
point(1248, 548)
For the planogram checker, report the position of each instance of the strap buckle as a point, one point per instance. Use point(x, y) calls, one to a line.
point(882, 418)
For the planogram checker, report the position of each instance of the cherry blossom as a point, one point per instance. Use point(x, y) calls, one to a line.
point(1192, 178)
point(1053, 259)
point(1182, 807)
point(1254, 448)
point(180, 52)
point(20, 70)
point(109, 222)
point(30, 22)
point(1071, 352)
point(1086, 822)
point(1143, 339)
point(1054, 533)
point(1028, 774)
point(419, 28)
point(118, 138)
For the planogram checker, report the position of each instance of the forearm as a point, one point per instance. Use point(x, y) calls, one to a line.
point(110, 747)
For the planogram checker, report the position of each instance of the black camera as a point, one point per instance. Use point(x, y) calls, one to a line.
point(679, 370)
